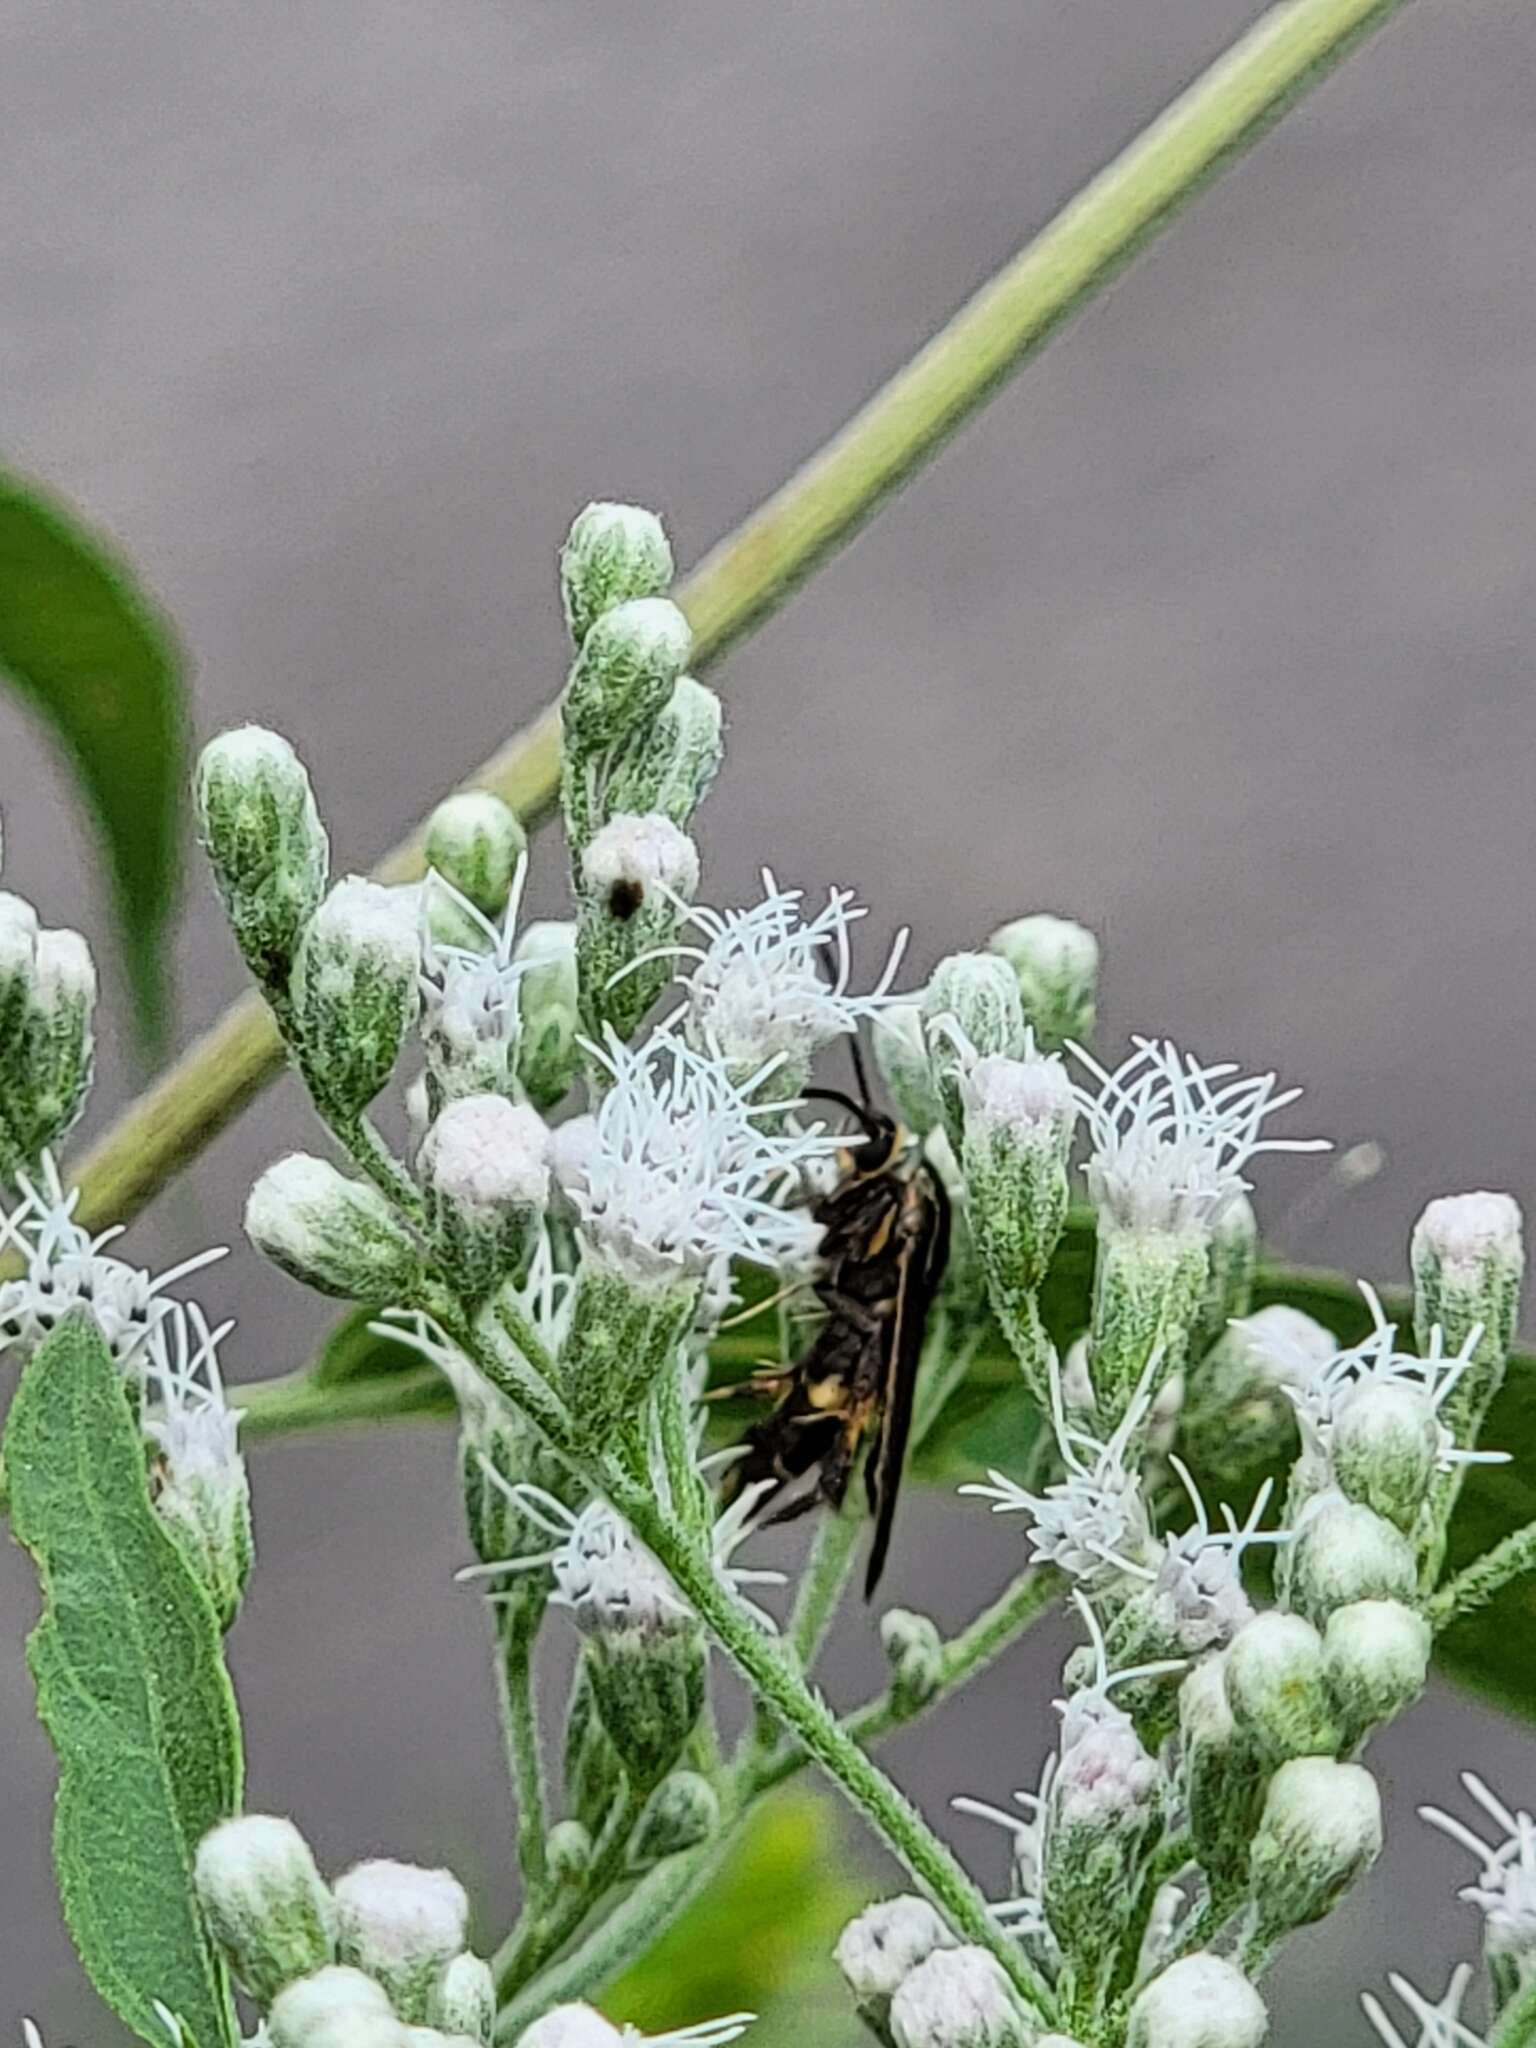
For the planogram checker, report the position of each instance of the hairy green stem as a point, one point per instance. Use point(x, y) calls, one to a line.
point(981, 1643)
point(517, 1628)
point(1474, 1587)
point(542, 1933)
point(747, 576)
point(767, 1669)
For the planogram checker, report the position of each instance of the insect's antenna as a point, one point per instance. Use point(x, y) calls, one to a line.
point(865, 1116)
point(860, 1071)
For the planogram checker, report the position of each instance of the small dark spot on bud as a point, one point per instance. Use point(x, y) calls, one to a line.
point(624, 899)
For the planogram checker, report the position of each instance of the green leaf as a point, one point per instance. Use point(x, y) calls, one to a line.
point(88, 650)
point(131, 1687)
point(760, 1938)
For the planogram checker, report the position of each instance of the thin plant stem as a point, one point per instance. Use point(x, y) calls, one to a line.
point(1474, 1587)
point(543, 1931)
point(764, 1664)
point(369, 1151)
point(997, 1628)
point(517, 1629)
point(749, 574)
point(634, 1925)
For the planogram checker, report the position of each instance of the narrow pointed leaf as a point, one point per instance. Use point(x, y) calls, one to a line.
point(131, 1687)
point(86, 648)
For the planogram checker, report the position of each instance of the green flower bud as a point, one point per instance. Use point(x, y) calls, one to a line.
point(881, 1948)
point(1019, 1119)
point(684, 1810)
point(463, 2001)
point(265, 1903)
point(971, 1009)
point(47, 1044)
point(1320, 1829)
point(959, 1998)
point(635, 873)
point(265, 842)
point(475, 842)
point(1147, 1290)
point(1105, 1801)
point(915, 1654)
point(901, 1054)
point(401, 1926)
point(1468, 1260)
point(669, 766)
point(201, 1490)
point(1383, 1446)
point(568, 1853)
point(1277, 1687)
point(1344, 1553)
point(1223, 1773)
point(623, 1333)
point(1057, 965)
point(337, 1235)
point(485, 1174)
point(336, 2007)
point(1376, 1656)
point(1201, 2001)
point(355, 992)
point(625, 673)
point(548, 1055)
point(612, 553)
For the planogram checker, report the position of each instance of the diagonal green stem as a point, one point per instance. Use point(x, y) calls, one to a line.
point(749, 574)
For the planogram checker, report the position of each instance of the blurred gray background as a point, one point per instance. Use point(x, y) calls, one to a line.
point(1216, 631)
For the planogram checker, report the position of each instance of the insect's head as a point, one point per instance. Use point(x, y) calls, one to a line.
point(879, 1141)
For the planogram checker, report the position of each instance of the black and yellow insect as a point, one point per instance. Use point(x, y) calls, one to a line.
point(884, 1242)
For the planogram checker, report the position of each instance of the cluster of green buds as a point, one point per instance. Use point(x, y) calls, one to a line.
point(642, 745)
point(1208, 1797)
point(379, 1959)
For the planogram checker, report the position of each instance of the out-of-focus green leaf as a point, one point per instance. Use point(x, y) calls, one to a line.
point(84, 645)
point(131, 1686)
point(760, 1938)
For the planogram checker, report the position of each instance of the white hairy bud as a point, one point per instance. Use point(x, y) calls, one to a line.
point(637, 873)
point(1057, 964)
point(1320, 1829)
point(475, 841)
point(402, 1926)
point(336, 2007)
point(958, 1998)
point(626, 669)
point(1468, 1259)
point(914, 1652)
point(355, 991)
point(265, 1903)
point(670, 767)
point(877, 1952)
point(1019, 1118)
point(265, 843)
point(631, 858)
point(336, 1234)
point(464, 2000)
point(1376, 1654)
point(570, 2026)
point(1383, 1446)
point(971, 1009)
point(612, 553)
point(1343, 1553)
point(1201, 2001)
point(1277, 1687)
point(568, 1852)
point(485, 1168)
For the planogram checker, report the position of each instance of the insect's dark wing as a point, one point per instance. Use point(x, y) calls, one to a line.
point(921, 1269)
